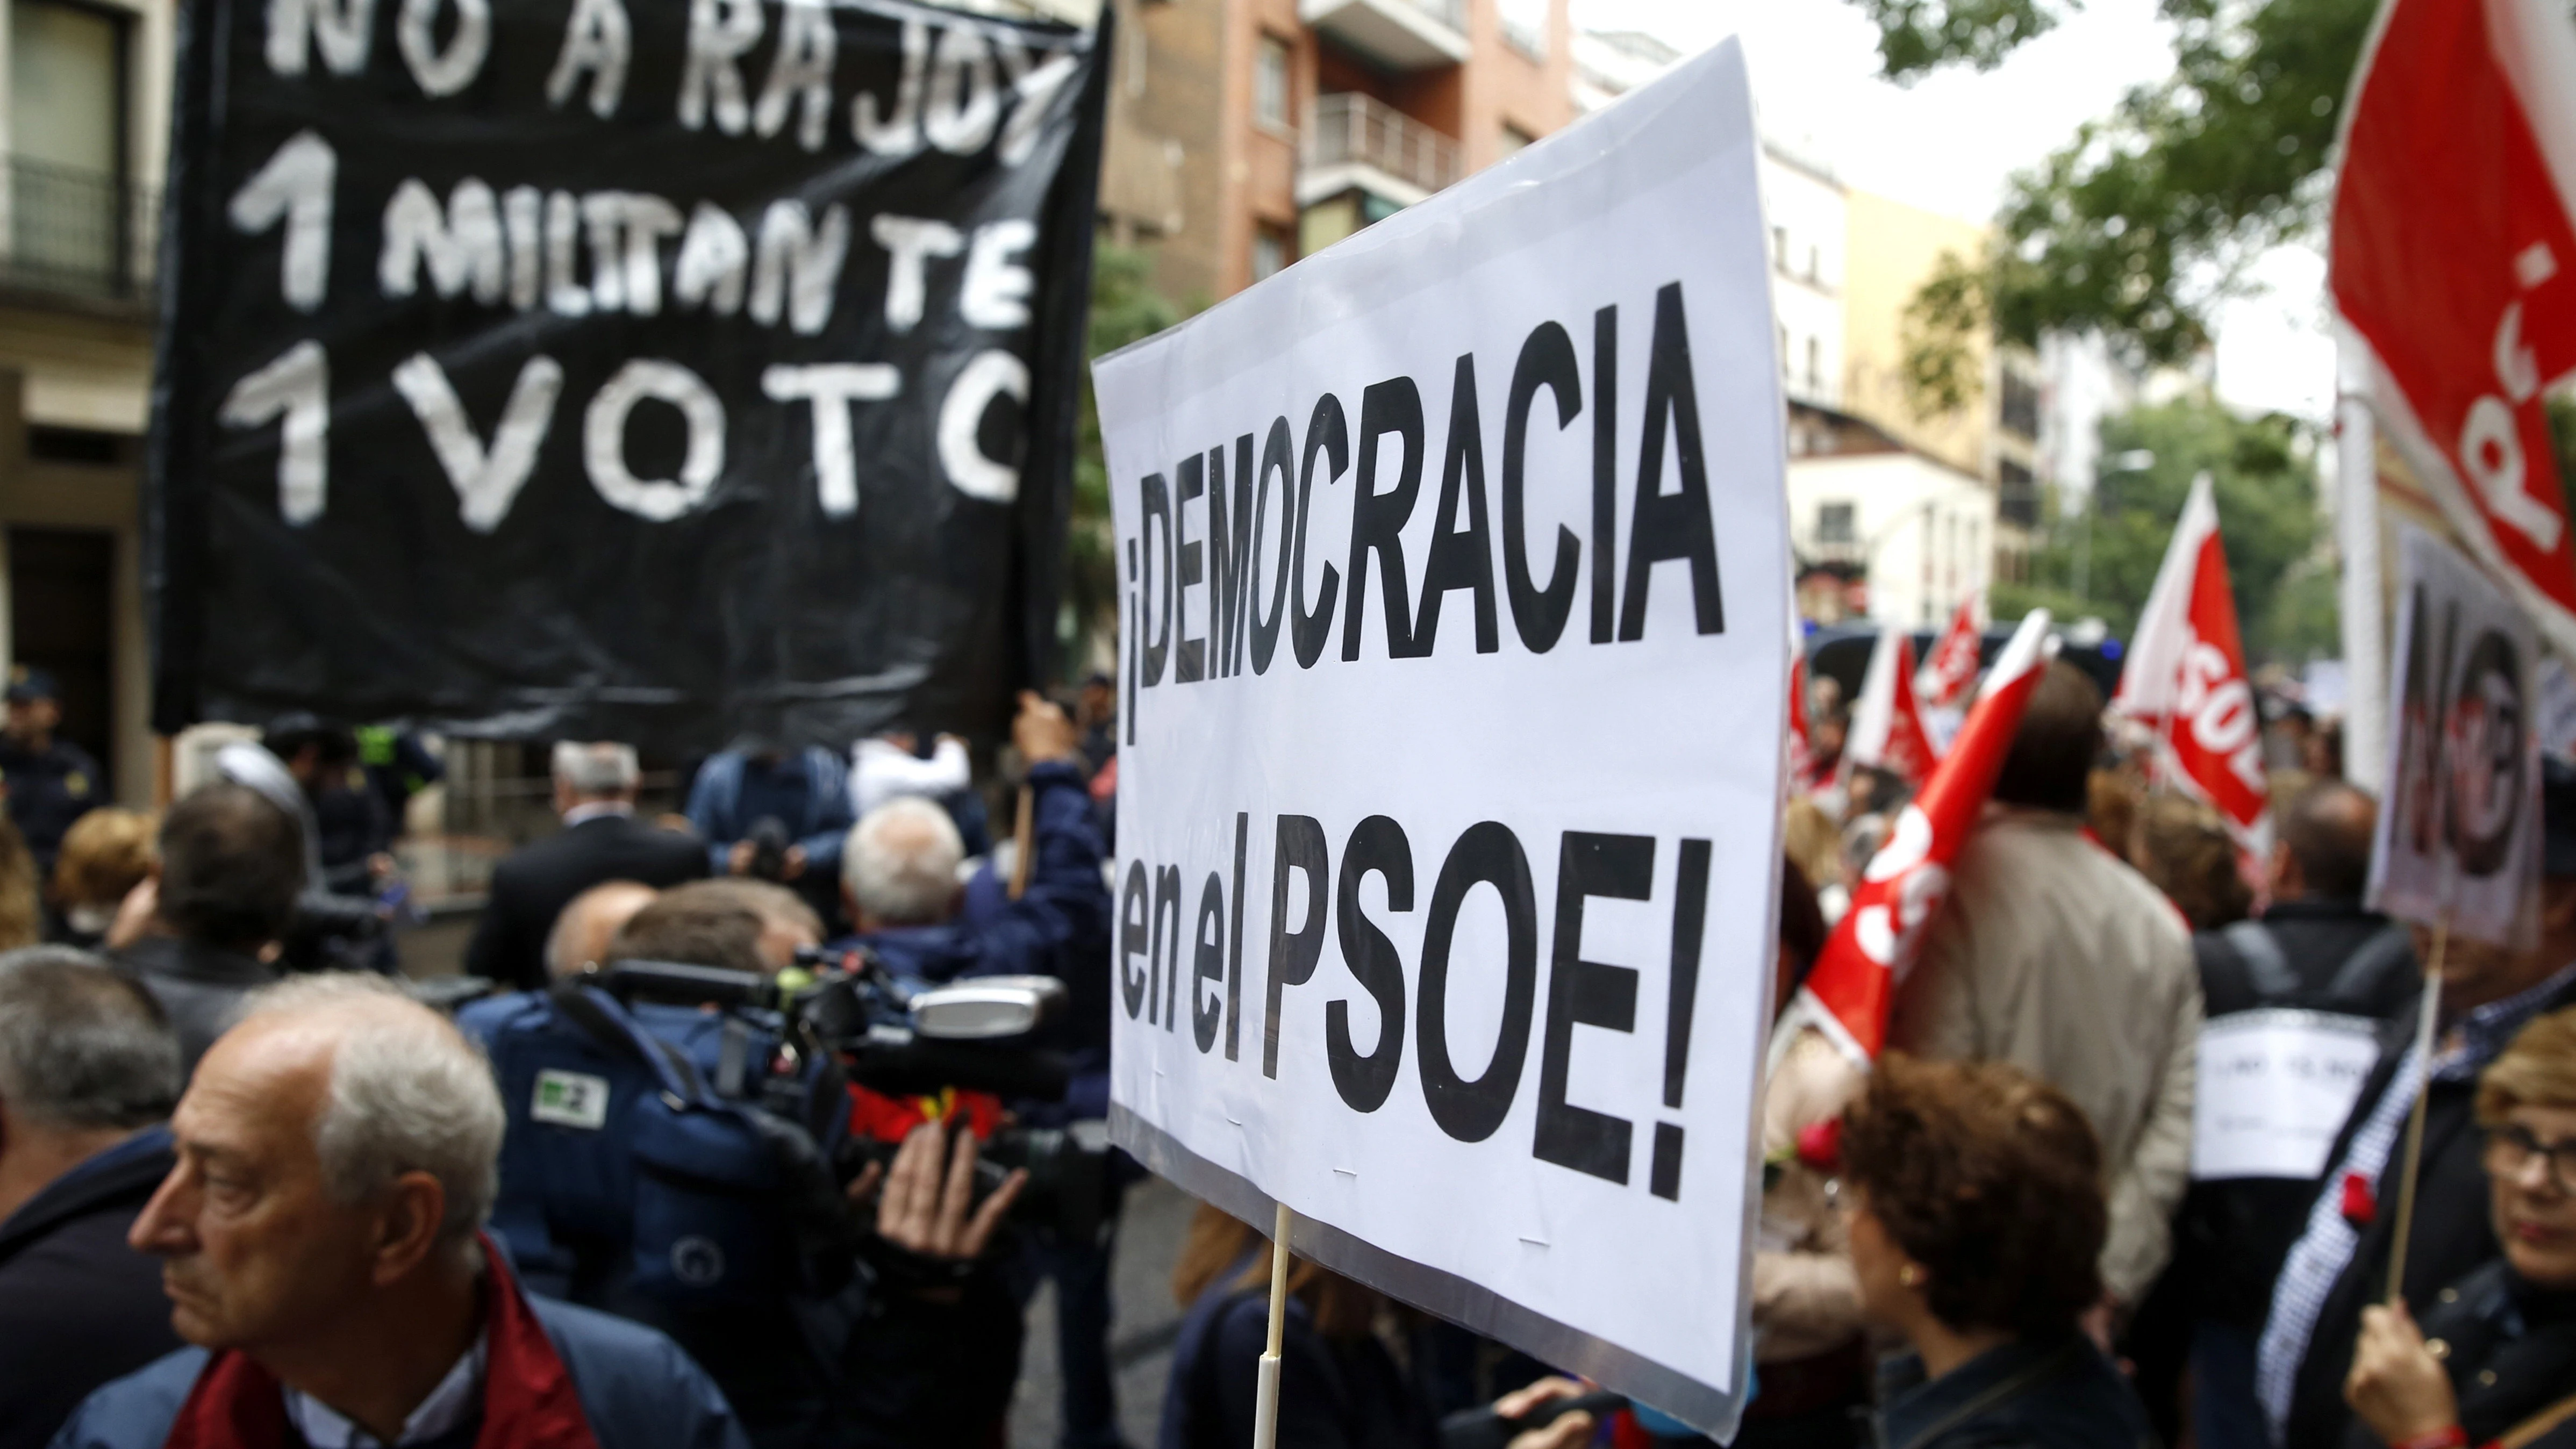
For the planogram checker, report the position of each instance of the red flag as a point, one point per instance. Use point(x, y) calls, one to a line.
point(1953, 666)
point(1873, 946)
point(2185, 676)
point(1886, 728)
point(2454, 261)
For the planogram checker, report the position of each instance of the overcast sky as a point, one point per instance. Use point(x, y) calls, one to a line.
point(1948, 142)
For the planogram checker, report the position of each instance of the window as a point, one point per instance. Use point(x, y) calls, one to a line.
point(1269, 253)
point(1815, 364)
point(1515, 141)
point(2020, 405)
point(1834, 523)
point(67, 144)
point(1270, 83)
point(2016, 495)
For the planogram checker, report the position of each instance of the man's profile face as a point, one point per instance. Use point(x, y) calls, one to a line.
point(33, 718)
point(254, 1251)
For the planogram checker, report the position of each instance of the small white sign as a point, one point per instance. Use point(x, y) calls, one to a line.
point(2274, 1089)
point(570, 1099)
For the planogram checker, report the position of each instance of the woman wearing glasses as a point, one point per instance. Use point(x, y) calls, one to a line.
point(2493, 1363)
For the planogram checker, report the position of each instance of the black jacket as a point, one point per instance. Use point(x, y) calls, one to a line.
point(533, 885)
point(2331, 956)
point(2452, 1236)
point(1349, 1394)
point(2232, 1234)
point(2511, 1355)
point(199, 987)
point(78, 1307)
point(2033, 1394)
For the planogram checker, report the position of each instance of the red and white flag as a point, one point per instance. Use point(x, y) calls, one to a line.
point(2185, 678)
point(1952, 669)
point(1873, 947)
point(1886, 727)
point(2454, 267)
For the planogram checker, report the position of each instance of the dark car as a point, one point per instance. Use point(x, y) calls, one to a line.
point(1840, 652)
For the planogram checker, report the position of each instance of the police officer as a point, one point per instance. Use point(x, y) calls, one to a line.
point(52, 782)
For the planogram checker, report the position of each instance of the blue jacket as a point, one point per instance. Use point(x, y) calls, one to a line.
point(637, 1388)
point(715, 808)
point(1059, 927)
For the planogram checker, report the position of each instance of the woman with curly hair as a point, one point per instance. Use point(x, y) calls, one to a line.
point(1976, 1219)
point(106, 854)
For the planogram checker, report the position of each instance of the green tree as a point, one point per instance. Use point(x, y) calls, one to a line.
point(2146, 218)
point(2263, 473)
point(1125, 308)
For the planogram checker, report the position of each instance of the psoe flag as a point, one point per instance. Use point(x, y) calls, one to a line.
point(1946, 676)
point(2454, 265)
point(1455, 668)
point(1887, 730)
point(2185, 676)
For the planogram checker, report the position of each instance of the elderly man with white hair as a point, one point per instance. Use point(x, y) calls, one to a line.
point(322, 1248)
point(601, 841)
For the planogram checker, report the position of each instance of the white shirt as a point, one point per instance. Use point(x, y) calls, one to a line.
point(881, 770)
point(593, 809)
point(457, 1399)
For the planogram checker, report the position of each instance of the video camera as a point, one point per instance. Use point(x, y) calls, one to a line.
point(858, 1023)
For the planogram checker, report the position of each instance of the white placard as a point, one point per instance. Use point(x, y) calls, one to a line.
point(1454, 673)
point(2459, 833)
point(2274, 1087)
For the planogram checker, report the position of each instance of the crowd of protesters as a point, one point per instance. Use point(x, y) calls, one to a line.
point(2100, 920)
point(248, 1204)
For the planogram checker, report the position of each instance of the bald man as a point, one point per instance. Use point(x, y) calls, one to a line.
point(322, 1247)
point(589, 921)
point(2316, 949)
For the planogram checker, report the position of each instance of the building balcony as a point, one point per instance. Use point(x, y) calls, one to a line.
point(1355, 142)
point(73, 233)
point(1402, 34)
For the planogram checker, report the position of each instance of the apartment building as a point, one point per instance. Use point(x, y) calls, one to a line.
point(1245, 134)
point(1890, 518)
point(84, 119)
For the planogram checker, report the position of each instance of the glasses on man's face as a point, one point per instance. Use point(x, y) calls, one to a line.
point(2512, 1146)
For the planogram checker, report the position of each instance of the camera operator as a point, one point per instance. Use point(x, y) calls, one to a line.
point(919, 1347)
point(899, 875)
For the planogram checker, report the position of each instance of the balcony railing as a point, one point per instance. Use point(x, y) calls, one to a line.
point(1350, 129)
point(76, 232)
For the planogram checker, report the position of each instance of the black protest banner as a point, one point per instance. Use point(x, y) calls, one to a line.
point(606, 369)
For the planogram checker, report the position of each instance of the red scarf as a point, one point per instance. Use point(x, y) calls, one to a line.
point(528, 1397)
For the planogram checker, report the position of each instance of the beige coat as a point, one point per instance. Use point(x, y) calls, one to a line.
point(2057, 957)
